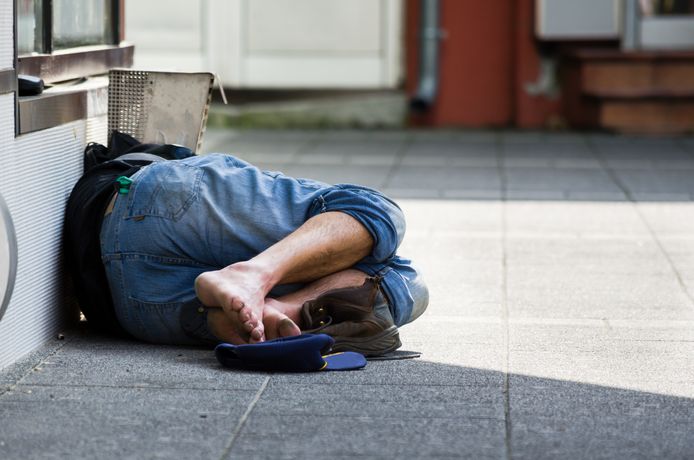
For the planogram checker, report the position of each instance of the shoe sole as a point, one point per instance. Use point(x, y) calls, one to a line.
point(376, 345)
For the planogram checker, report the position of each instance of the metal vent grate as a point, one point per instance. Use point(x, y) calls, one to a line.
point(159, 107)
point(127, 102)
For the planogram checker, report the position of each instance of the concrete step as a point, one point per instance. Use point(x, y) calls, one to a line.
point(631, 92)
point(615, 74)
point(648, 116)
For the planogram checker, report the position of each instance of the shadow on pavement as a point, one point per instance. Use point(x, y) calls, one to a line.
point(96, 397)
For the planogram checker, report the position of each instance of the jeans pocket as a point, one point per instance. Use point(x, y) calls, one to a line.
point(155, 322)
point(165, 189)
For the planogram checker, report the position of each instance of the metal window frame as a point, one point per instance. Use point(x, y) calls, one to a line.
point(55, 66)
point(52, 66)
point(76, 62)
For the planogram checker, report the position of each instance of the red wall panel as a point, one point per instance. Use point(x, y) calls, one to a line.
point(476, 65)
point(486, 58)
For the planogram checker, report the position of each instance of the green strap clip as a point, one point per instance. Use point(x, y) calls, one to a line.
point(123, 184)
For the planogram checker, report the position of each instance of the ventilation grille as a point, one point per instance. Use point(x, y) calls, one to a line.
point(159, 107)
point(128, 102)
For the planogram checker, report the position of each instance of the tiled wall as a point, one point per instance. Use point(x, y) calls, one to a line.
point(37, 172)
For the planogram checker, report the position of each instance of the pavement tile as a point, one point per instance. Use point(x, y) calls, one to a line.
point(462, 135)
point(656, 181)
point(557, 179)
point(479, 161)
point(411, 193)
point(595, 196)
point(281, 135)
point(444, 178)
point(669, 219)
point(577, 162)
point(473, 194)
point(560, 419)
point(271, 148)
point(87, 362)
point(567, 303)
point(389, 135)
point(521, 137)
point(369, 437)
point(574, 219)
point(380, 401)
point(452, 149)
point(117, 423)
point(641, 357)
point(634, 256)
point(453, 216)
point(662, 197)
point(370, 176)
point(535, 195)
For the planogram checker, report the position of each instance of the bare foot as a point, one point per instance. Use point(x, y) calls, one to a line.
point(239, 290)
point(227, 328)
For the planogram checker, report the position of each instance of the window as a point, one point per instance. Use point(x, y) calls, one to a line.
point(65, 39)
point(60, 41)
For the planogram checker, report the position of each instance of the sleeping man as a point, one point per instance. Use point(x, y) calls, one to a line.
point(210, 248)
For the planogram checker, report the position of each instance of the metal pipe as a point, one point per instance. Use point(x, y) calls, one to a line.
point(430, 34)
point(631, 26)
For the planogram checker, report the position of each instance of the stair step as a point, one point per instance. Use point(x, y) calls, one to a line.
point(648, 116)
point(634, 75)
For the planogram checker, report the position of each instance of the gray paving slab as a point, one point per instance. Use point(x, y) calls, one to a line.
point(616, 256)
point(669, 219)
point(465, 135)
point(633, 355)
point(564, 419)
point(374, 176)
point(538, 178)
point(368, 437)
point(425, 157)
point(58, 421)
point(463, 218)
point(380, 401)
point(444, 177)
point(574, 219)
point(657, 181)
point(91, 362)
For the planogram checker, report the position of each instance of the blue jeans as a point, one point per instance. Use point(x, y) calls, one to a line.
point(184, 217)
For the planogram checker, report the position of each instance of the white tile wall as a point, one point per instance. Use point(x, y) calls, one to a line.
point(6, 40)
point(37, 172)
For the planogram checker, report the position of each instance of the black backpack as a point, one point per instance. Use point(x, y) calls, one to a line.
point(85, 211)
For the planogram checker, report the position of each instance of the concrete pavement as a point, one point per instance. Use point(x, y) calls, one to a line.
point(561, 322)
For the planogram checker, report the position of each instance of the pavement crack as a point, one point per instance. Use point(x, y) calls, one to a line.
point(503, 178)
point(397, 162)
point(244, 418)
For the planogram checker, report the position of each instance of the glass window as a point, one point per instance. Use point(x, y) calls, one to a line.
point(47, 25)
point(82, 22)
point(29, 26)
